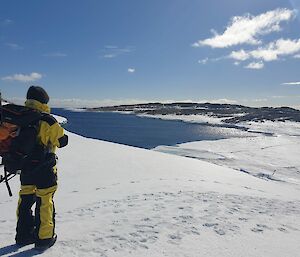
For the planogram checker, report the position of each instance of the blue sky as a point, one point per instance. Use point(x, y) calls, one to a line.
point(97, 52)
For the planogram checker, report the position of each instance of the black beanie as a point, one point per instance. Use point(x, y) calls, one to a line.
point(37, 93)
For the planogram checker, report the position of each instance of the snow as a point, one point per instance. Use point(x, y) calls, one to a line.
point(187, 118)
point(287, 127)
point(260, 156)
point(76, 109)
point(116, 200)
point(273, 153)
point(60, 120)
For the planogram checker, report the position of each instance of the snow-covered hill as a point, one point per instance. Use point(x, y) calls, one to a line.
point(115, 200)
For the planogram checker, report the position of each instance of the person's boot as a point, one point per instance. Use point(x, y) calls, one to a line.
point(44, 244)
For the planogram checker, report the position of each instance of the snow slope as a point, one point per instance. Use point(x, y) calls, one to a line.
point(116, 200)
point(269, 157)
point(274, 156)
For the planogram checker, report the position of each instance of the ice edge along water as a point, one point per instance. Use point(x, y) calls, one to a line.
point(116, 200)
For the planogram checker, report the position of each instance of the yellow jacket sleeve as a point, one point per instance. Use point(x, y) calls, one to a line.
point(51, 134)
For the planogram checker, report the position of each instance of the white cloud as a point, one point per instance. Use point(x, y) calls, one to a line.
point(112, 51)
point(24, 78)
point(271, 52)
point(291, 83)
point(203, 61)
point(223, 101)
point(14, 46)
point(260, 100)
point(297, 56)
point(274, 50)
point(109, 55)
point(213, 101)
point(246, 29)
point(255, 65)
point(55, 54)
point(241, 55)
point(131, 70)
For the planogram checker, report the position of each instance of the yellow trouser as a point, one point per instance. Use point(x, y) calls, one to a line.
point(44, 210)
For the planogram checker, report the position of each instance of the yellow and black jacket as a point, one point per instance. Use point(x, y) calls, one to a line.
point(50, 134)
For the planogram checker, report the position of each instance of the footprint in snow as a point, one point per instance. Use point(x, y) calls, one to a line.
point(99, 188)
point(209, 225)
point(220, 232)
point(282, 230)
point(174, 239)
point(257, 230)
point(182, 213)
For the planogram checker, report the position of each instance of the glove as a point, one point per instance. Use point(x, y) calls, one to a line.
point(63, 141)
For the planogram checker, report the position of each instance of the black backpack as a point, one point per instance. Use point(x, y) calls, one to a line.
point(17, 144)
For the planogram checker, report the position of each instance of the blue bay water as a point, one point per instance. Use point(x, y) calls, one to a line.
point(137, 131)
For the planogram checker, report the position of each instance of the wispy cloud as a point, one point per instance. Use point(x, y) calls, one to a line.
point(255, 65)
point(34, 76)
point(259, 100)
point(214, 101)
point(6, 22)
point(203, 61)
point(131, 70)
point(112, 51)
point(55, 54)
point(109, 55)
point(247, 29)
point(14, 46)
point(217, 59)
point(278, 96)
point(297, 56)
point(223, 101)
point(291, 83)
point(111, 47)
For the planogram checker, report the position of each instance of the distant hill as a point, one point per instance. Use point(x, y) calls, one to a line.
point(231, 113)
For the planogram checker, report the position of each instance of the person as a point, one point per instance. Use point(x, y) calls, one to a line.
point(39, 177)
